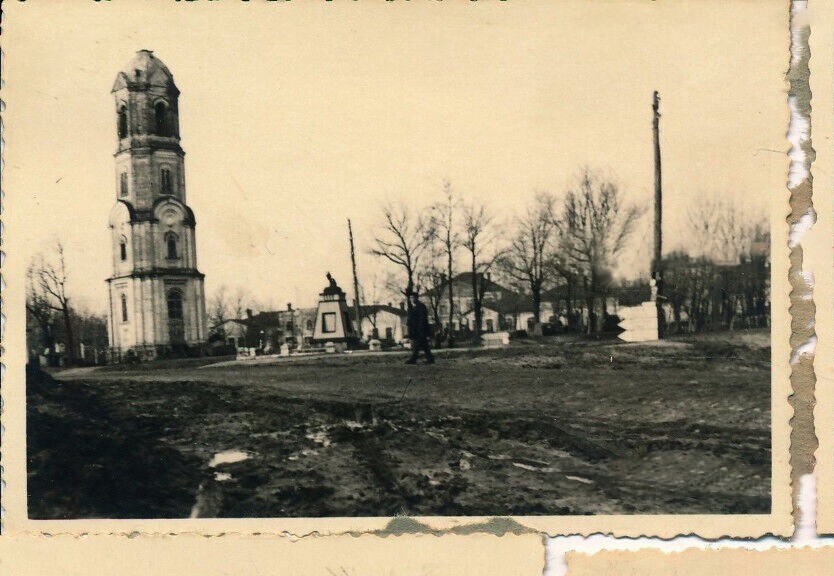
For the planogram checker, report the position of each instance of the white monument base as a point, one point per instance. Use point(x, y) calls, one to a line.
point(639, 322)
point(495, 339)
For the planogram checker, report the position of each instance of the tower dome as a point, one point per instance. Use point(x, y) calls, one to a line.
point(145, 68)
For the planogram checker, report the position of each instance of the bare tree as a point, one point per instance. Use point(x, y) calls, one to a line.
point(530, 258)
point(370, 295)
point(239, 301)
point(219, 308)
point(39, 325)
point(47, 279)
point(402, 240)
point(594, 229)
point(431, 280)
point(721, 229)
point(726, 236)
point(479, 238)
point(446, 234)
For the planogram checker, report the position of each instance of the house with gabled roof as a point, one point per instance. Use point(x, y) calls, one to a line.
point(384, 322)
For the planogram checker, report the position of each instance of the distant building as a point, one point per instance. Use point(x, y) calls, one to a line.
point(382, 322)
point(227, 336)
point(505, 309)
point(498, 305)
point(267, 331)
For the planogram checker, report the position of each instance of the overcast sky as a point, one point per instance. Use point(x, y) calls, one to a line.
point(296, 116)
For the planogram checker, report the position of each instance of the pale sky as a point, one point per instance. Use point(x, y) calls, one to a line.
point(297, 115)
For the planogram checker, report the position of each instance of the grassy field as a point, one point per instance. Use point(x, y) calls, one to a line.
point(548, 427)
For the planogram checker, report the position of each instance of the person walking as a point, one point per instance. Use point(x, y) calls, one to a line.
point(418, 329)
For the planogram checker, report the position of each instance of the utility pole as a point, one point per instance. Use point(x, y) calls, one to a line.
point(355, 282)
point(657, 264)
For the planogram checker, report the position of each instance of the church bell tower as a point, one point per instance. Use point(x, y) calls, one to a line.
point(157, 301)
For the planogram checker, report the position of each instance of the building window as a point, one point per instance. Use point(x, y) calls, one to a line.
point(389, 333)
point(124, 308)
point(490, 325)
point(165, 180)
point(123, 184)
point(171, 242)
point(123, 248)
point(175, 305)
point(309, 325)
point(328, 322)
point(160, 119)
point(122, 124)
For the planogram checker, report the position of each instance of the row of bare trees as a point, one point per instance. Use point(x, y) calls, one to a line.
point(725, 281)
point(575, 242)
point(226, 303)
point(53, 322)
point(569, 239)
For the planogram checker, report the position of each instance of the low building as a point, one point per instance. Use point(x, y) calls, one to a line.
point(227, 336)
point(382, 322)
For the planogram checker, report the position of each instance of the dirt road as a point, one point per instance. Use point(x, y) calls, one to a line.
point(554, 427)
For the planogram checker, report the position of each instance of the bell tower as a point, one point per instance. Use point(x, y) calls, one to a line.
point(157, 301)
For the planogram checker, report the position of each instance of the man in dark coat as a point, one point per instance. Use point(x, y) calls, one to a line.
point(418, 329)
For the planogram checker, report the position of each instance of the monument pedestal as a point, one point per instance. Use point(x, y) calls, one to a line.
point(333, 323)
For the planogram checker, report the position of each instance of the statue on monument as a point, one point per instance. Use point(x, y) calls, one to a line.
point(332, 288)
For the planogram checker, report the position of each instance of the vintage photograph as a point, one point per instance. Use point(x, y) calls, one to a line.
point(495, 261)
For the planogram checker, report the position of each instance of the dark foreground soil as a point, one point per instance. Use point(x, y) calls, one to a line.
point(541, 428)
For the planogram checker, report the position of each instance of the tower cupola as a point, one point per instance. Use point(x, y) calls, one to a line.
point(146, 100)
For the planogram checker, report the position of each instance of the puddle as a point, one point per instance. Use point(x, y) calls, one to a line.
point(532, 465)
point(530, 462)
point(498, 457)
point(228, 457)
point(319, 437)
point(353, 424)
point(222, 476)
point(580, 479)
point(437, 436)
point(304, 453)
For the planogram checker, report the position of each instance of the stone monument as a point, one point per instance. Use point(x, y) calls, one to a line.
point(333, 323)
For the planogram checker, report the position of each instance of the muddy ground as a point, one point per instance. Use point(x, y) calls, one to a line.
point(549, 427)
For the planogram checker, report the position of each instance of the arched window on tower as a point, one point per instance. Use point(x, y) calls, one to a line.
point(124, 307)
point(122, 121)
point(171, 243)
point(174, 304)
point(123, 184)
point(123, 248)
point(161, 119)
point(165, 181)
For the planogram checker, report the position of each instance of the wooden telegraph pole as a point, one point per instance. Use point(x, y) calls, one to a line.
point(355, 282)
point(657, 264)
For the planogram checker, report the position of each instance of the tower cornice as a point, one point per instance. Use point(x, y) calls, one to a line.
point(161, 273)
point(146, 144)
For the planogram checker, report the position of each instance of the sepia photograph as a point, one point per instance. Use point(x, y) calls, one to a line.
point(465, 260)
